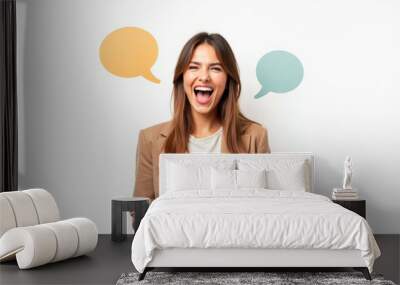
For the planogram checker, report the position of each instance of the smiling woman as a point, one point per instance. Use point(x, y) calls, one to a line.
point(206, 116)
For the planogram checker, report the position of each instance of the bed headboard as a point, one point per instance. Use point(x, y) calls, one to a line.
point(271, 158)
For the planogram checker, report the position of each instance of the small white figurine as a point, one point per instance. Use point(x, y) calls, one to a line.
point(348, 171)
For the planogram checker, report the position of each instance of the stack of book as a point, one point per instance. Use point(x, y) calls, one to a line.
point(344, 194)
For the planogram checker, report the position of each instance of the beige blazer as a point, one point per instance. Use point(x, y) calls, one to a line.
point(150, 144)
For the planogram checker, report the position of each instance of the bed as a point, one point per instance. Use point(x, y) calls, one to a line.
point(248, 210)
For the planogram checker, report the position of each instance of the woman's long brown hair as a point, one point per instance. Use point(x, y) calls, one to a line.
point(233, 121)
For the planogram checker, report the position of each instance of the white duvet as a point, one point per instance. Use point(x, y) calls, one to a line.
point(250, 219)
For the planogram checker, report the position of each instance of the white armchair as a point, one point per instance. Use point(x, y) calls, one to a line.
point(31, 230)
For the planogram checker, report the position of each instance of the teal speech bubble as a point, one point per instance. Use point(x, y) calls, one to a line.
point(278, 71)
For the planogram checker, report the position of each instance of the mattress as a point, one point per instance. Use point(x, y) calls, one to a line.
point(250, 219)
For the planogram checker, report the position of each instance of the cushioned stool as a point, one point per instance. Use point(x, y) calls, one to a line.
point(31, 230)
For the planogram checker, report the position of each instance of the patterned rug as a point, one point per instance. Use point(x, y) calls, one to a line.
point(269, 278)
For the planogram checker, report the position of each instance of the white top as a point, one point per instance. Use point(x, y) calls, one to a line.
point(210, 144)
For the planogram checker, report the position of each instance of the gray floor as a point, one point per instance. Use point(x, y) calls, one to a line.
point(102, 266)
point(110, 260)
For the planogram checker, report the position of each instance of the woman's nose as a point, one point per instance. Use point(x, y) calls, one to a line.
point(204, 76)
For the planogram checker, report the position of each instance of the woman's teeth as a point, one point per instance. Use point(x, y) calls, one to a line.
point(203, 91)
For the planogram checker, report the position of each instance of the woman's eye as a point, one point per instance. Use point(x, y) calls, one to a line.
point(193, 67)
point(216, 69)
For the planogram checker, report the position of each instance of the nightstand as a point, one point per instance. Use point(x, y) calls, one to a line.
point(118, 217)
point(357, 206)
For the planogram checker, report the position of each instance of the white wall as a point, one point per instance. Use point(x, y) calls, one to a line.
point(78, 124)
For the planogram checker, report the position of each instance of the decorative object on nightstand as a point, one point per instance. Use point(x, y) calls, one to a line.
point(118, 218)
point(348, 173)
point(346, 192)
point(357, 206)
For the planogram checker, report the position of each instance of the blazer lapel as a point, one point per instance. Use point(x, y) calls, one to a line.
point(246, 139)
point(246, 142)
point(162, 137)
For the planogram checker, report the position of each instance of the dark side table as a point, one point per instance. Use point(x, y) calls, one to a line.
point(118, 218)
point(357, 206)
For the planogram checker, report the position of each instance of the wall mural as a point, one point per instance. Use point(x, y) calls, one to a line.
point(278, 71)
point(129, 52)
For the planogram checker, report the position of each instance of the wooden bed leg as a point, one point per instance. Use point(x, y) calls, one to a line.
point(143, 274)
point(364, 271)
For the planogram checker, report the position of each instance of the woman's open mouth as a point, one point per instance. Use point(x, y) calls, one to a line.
point(203, 94)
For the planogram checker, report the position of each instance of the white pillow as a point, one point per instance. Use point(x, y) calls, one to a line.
point(190, 174)
point(183, 177)
point(236, 179)
point(282, 174)
point(287, 179)
point(251, 178)
point(223, 179)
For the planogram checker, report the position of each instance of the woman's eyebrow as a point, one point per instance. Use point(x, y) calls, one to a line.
point(211, 64)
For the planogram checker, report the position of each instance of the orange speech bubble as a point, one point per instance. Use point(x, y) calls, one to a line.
point(129, 52)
